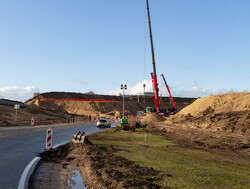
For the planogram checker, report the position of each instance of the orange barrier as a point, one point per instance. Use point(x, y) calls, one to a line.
point(77, 99)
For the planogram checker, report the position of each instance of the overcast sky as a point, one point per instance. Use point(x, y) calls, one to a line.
point(202, 47)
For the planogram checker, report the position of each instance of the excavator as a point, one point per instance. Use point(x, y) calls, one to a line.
point(158, 109)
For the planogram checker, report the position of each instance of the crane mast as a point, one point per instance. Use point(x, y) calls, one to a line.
point(153, 75)
point(173, 109)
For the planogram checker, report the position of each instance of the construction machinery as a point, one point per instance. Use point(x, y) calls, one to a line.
point(172, 108)
point(128, 126)
point(154, 76)
point(149, 110)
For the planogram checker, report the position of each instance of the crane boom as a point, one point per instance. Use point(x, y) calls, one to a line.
point(168, 91)
point(153, 75)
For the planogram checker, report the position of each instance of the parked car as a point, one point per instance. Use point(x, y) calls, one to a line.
point(103, 122)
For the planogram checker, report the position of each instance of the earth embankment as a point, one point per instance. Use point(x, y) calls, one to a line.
point(65, 101)
point(8, 116)
point(227, 113)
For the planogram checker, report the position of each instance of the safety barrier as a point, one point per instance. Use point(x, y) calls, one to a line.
point(32, 121)
point(79, 137)
point(111, 120)
point(49, 139)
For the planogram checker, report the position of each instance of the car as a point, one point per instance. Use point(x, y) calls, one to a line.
point(103, 122)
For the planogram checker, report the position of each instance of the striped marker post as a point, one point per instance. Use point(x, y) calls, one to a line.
point(32, 121)
point(49, 139)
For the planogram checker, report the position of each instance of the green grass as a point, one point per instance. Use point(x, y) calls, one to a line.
point(190, 168)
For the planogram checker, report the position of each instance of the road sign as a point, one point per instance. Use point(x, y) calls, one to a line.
point(16, 106)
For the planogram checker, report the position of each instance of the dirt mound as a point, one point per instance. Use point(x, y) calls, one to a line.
point(152, 118)
point(230, 113)
point(100, 168)
point(219, 104)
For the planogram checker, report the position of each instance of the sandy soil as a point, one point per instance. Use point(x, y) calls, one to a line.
point(220, 122)
point(228, 113)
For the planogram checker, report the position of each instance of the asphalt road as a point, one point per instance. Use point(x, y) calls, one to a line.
point(18, 146)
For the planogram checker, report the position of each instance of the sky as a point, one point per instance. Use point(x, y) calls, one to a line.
point(202, 47)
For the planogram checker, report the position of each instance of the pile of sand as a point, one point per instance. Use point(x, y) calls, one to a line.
point(219, 103)
point(229, 113)
point(152, 118)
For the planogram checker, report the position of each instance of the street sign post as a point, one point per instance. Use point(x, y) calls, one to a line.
point(16, 107)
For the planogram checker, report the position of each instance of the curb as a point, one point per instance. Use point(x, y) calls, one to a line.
point(28, 171)
point(24, 180)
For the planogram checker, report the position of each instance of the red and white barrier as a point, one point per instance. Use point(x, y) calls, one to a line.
point(49, 139)
point(32, 121)
point(94, 118)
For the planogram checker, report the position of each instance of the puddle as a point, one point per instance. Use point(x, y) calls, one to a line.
point(76, 181)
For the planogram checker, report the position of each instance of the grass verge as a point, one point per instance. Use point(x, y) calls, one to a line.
point(181, 167)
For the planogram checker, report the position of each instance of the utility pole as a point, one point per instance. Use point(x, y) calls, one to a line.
point(123, 88)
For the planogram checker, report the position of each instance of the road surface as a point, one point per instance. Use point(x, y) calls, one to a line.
point(18, 146)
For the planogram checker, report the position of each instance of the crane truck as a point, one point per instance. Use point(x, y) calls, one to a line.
point(172, 109)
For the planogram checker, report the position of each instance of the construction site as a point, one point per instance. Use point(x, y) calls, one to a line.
point(86, 140)
point(216, 125)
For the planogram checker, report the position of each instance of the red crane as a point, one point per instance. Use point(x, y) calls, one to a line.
point(153, 74)
point(155, 90)
point(172, 109)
